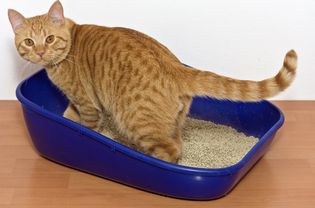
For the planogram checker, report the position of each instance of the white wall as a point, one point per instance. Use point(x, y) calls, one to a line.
point(245, 39)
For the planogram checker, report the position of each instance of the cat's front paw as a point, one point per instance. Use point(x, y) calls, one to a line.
point(71, 113)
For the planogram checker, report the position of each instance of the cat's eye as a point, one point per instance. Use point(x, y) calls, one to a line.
point(29, 42)
point(50, 39)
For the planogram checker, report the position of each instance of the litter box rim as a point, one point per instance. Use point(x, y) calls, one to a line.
point(142, 157)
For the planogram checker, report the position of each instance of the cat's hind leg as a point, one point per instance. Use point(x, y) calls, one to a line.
point(158, 145)
point(154, 132)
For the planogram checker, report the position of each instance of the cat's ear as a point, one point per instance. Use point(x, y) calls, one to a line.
point(55, 13)
point(16, 19)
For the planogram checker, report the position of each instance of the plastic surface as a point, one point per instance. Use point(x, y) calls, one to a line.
point(71, 144)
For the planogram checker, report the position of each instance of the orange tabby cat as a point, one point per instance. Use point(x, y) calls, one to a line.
point(130, 75)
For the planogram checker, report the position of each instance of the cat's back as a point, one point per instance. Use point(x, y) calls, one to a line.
point(116, 59)
point(120, 39)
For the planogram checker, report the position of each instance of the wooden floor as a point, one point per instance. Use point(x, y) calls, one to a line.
point(285, 177)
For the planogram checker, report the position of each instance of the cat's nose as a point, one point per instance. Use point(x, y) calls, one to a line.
point(40, 52)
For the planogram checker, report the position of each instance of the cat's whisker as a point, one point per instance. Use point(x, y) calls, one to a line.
point(23, 69)
point(27, 68)
point(55, 64)
point(60, 56)
point(70, 55)
point(71, 61)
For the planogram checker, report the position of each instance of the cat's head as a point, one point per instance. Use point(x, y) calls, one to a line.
point(44, 39)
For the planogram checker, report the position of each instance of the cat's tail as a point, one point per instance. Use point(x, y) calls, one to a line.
point(203, 83)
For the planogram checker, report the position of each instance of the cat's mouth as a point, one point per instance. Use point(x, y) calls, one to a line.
point(40, 60)
point(45, 60)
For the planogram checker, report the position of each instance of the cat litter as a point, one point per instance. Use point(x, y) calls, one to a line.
point(205, 144)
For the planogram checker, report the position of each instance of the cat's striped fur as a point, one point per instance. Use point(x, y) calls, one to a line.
point(130, 75)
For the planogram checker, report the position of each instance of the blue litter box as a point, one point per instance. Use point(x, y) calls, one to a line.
point(73, 145)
